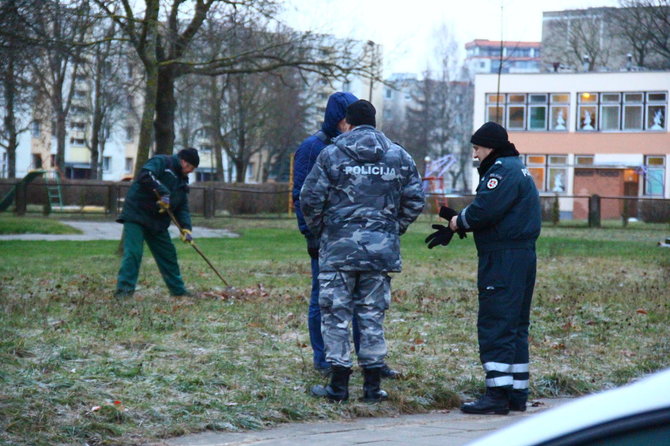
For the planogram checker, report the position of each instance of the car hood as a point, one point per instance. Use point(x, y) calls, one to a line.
point(649, 394)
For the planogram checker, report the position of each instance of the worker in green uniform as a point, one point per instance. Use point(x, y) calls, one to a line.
point(144, 218)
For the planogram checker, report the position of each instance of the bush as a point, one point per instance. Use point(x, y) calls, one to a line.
point(654, 211)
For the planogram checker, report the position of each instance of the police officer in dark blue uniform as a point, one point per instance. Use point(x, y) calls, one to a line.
point(505, 219)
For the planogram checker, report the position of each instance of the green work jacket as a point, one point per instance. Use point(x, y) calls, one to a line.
point(163, 174)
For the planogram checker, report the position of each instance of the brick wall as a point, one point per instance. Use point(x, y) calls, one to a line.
point(603, 182)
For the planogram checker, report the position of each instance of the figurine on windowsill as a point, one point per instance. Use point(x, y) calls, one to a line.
point(587, 121)
point(560, 121)
point(658, 120)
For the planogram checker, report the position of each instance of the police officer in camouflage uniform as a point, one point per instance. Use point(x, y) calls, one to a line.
point(505, 219)
point(303, 161)
point(144, 218)
point(361, 195)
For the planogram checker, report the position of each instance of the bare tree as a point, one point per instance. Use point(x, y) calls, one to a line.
point(14, 52)
point(439, 122)
point(59, 27)
point(580, 39)
point(166, 32)
point(645, 27)
point(106, 61)
point(284, 127)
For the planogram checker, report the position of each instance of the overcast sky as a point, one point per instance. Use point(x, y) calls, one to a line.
point(405, 27)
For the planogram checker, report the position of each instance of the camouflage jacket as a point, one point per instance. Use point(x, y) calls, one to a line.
point(361, 195)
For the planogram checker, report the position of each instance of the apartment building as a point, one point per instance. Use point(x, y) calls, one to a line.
point(585, 133)
point(486, 56)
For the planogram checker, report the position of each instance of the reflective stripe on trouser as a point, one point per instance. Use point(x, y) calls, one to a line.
point(344, 295)
point(163, 250)
point(506, 279)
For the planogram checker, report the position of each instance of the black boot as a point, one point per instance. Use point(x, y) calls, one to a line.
point(338, 389)
point(518, 399)
point(495, 401)
point(371, 382)
point(388, 373)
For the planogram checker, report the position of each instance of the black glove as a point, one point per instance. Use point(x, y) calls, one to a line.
point(442, 236)
point(313, 247)
point(447, 214)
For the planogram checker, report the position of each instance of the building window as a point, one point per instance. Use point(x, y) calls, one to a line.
point(632, 111)
point(583, 160)
point(560, 109)
point(106, 163)
point(587, 108)
point(35, 129)
point(610, 110)
point(654, 175)
point(614, 111)
point(130, 133)
point(550, 172)
point(529, 111)
point(536, 166)
point(557, 173)
point(37, 161)
point(77, 141)
point(537, 111)
point(389, 93)
point(656, 111)
point(129, 165)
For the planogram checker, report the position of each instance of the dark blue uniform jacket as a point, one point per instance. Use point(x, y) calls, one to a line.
point(306, 154)
point(506, 211)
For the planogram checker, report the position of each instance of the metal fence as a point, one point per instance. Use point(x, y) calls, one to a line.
point(272, 200)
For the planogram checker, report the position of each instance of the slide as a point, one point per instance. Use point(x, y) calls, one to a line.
point(9, 197)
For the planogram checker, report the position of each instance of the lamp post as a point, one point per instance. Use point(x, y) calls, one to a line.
point(371, 44)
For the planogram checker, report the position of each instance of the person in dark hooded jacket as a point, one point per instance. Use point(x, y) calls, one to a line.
point(145, 219)
point(361, 195)
point(505, 219)
point(303, 161)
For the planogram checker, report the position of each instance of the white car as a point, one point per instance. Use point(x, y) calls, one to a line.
point(636, 414)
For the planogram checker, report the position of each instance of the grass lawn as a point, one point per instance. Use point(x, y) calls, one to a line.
point(10, 224)
point(79, 366)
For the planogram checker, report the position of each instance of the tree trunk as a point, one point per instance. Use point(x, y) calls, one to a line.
point(240, 169)
point(93, 167)
point(10, 118)
point(165, 111)
point(61, 133)
point(218, 176)
point(150, 93)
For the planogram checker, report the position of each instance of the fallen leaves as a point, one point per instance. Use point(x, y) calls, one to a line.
point(232, 293)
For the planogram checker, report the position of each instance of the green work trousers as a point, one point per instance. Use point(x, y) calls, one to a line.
point(163, 251)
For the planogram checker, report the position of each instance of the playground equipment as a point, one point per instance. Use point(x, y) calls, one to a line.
point(8, 199)
point(54, 191)
point(433, 180)
point(51, 181)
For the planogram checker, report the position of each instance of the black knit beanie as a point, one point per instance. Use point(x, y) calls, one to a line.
point(361, 112)
point(190, 155)
point(491, 135)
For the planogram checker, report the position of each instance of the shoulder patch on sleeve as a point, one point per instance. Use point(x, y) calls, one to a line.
point(492, 183)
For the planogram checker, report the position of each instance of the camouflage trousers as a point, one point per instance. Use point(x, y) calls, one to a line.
point(344, 295)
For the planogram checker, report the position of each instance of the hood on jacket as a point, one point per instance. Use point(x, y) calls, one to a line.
point(364, 144)
point(336, 109)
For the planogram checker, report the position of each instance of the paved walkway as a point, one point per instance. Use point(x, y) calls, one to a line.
point(452, 428)
point(106, 230)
